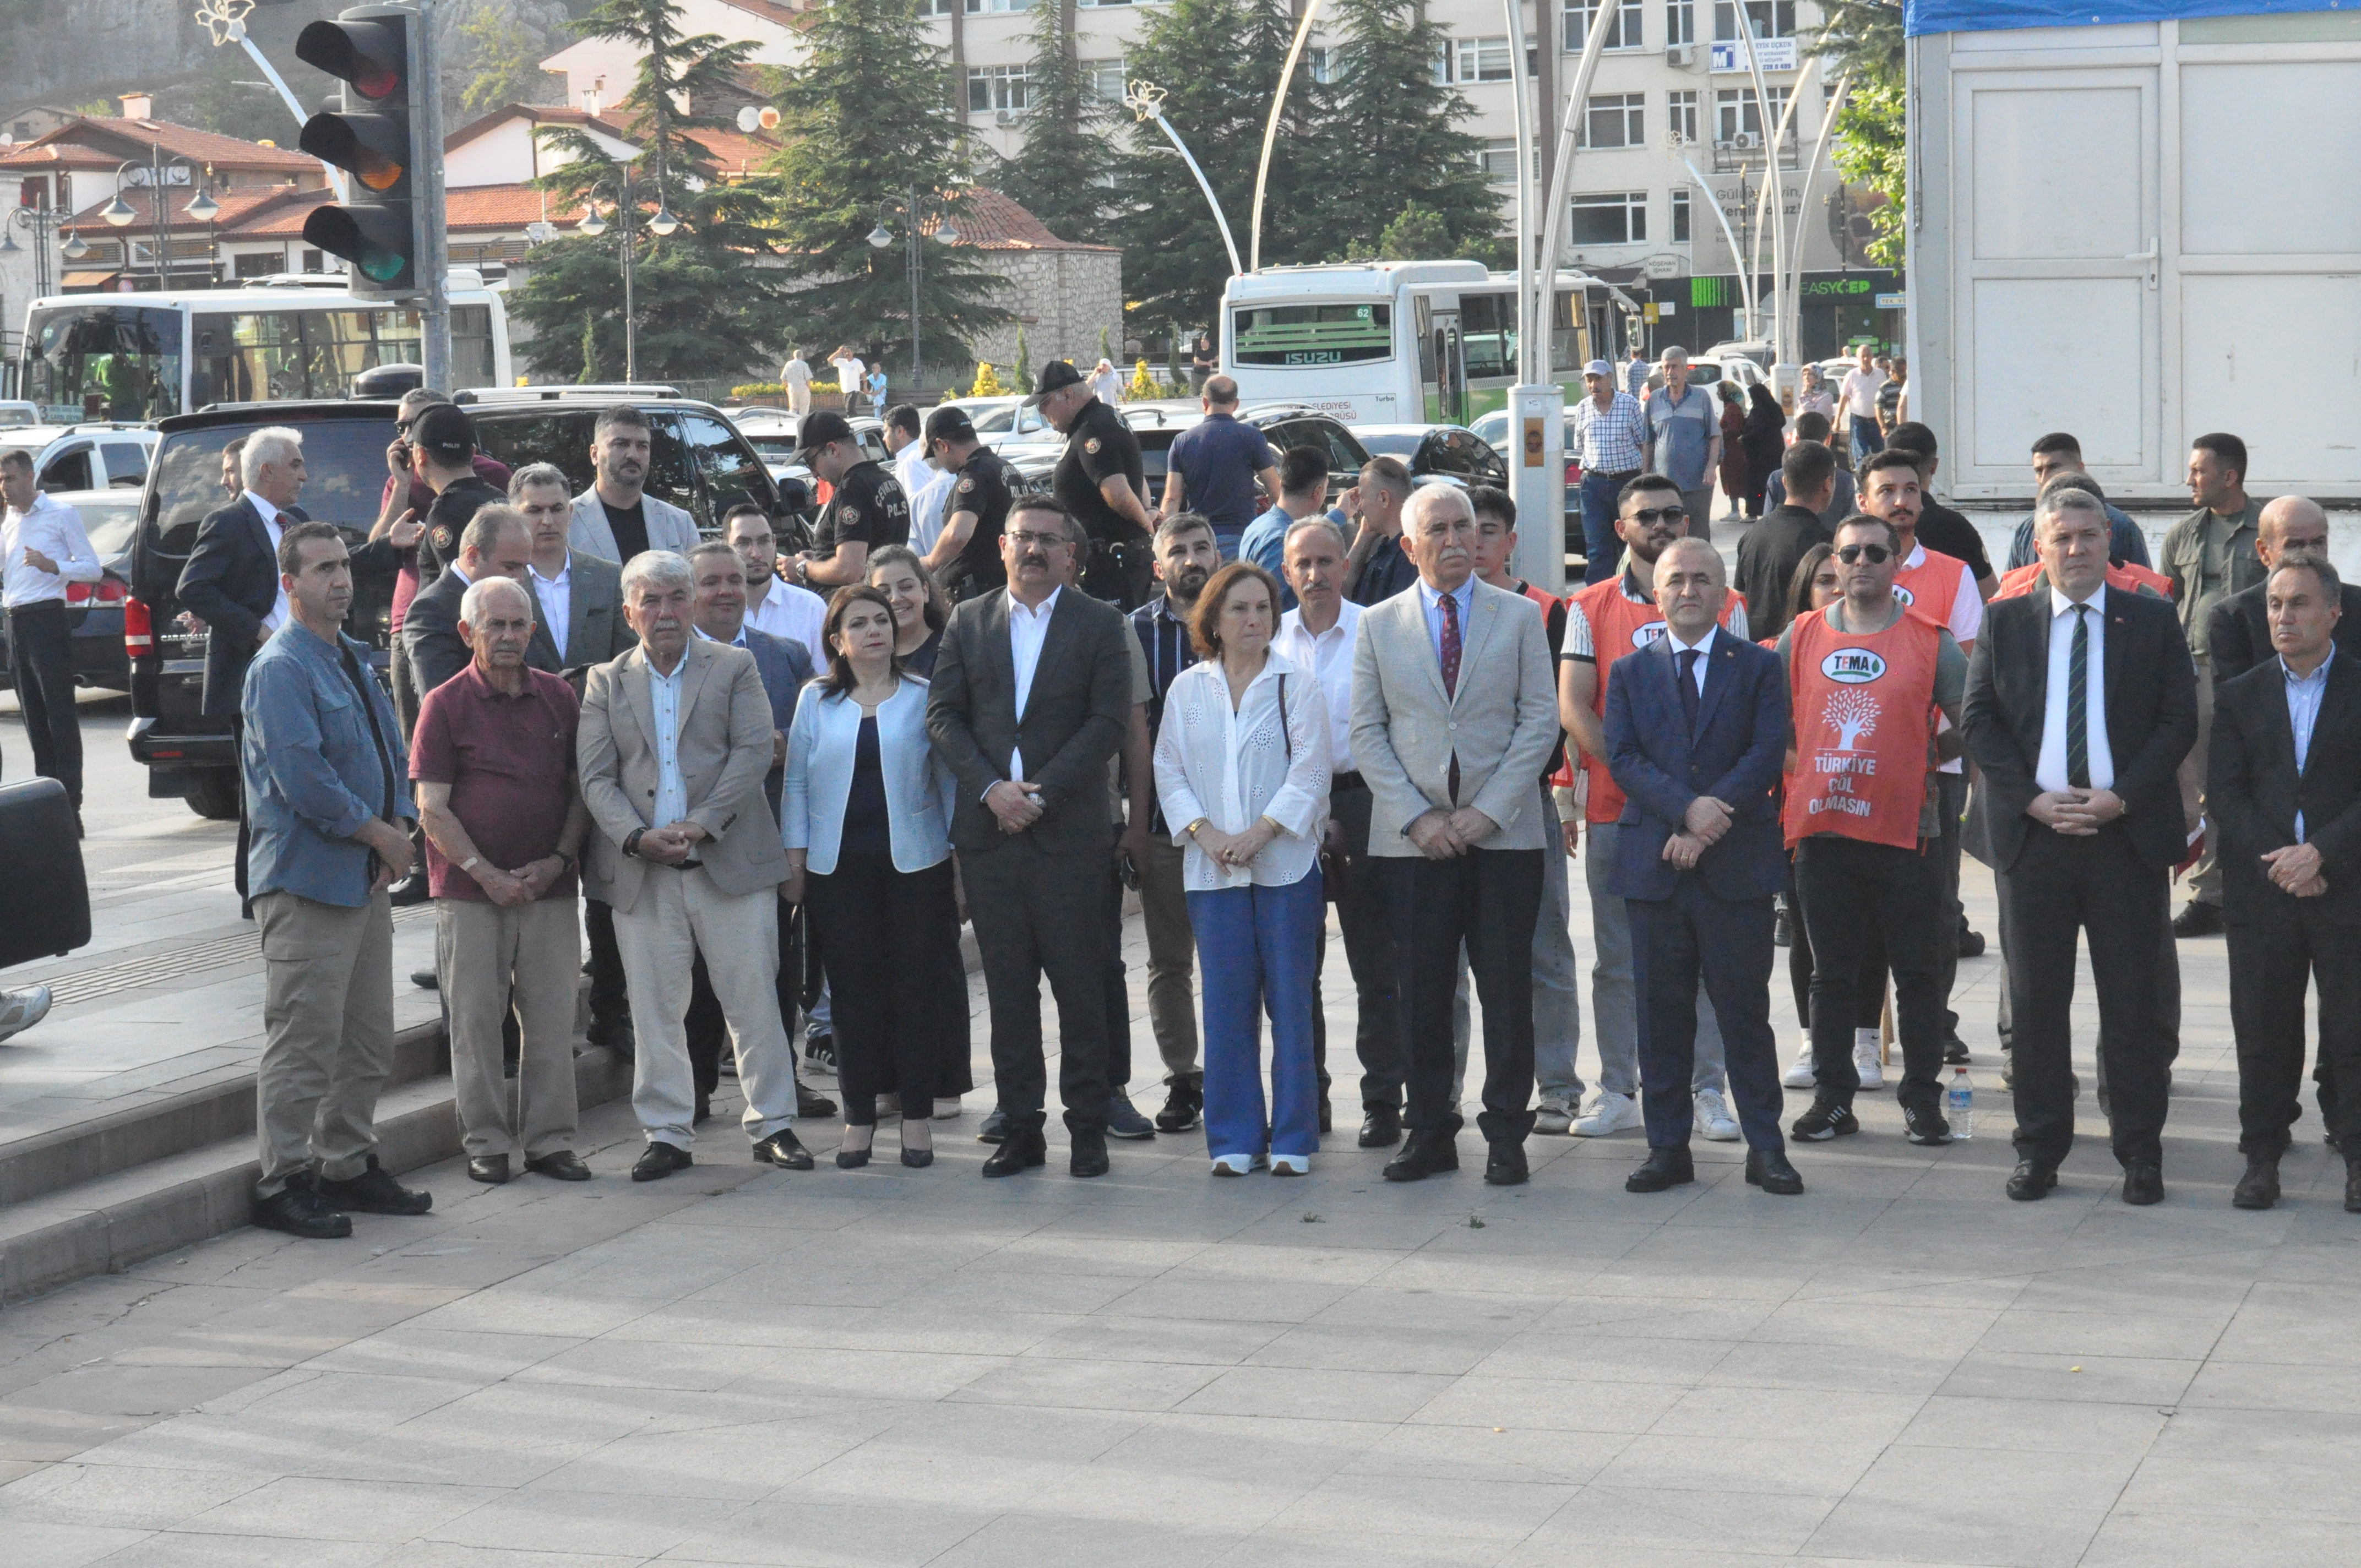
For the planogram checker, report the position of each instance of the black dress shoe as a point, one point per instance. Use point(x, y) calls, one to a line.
point(1955, 1052)
point(2142, 1183)
point(704, 1112)
point(1381, 1129)
point(492, 1169)
point(917, 1159)
point(995, 1129)
point(1971, 942)
point(1327, 1116)
point(1504, 1165)
point(298, 1210)
point(782, 1149)
point(1090, 1156)
point(614, 1033)
point(424, 979)
point(2198, 920)
point(373, 1191)
point(1662, 1170)
point(813, 1107)
point(2031, 1180)
point(659, 1161)
point(1425, 1154)
point(1769, 1169)
point(1018, 1151)
point(2259, 1188)
point(561, 1165)
point(851, 1159)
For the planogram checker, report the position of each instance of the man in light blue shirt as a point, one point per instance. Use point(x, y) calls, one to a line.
point(1685, 440)
point(1302, 492)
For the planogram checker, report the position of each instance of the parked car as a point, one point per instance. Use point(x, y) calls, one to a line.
point(94, 610)
point(700, 464)
point(1449, 454)
point(89, 457)
point(1283, 425)
point(1006, 425)
point(186, 753)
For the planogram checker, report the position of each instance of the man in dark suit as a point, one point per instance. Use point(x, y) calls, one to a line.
point(231, 581)
point(1030, 699)
point(2239, 626)
point(495, 544)
point(1697, 732)
point(2284, 783)
point(2081, 702)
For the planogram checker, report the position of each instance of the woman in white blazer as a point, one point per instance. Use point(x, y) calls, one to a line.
point(1242, 770)
point(865, 813)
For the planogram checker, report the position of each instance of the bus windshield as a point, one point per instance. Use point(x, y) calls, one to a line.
point(1313, 334)
point(120, 362)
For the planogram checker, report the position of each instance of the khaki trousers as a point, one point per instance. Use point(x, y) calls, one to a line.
point(1172, 957)
point(487, 955)
point(327, 1014)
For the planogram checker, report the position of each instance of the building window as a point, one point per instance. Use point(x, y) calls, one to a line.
point(935, 7)
point(994, 7)
point(1771, 18)
point(1615, 120)
point(990, 87)
point(1618, 219)
point(1680, 22)
point(1681, 215)
point(1105, 78)
point(313, 261)
point(1482, 59)
point(1318, 63)
point(259, 264)
point(1736, 110)
point(1682, 109)
point(1498, 159)
point(1624, 34)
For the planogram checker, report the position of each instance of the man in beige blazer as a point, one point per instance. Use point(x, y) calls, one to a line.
point(674, 744)
point(1454, 712)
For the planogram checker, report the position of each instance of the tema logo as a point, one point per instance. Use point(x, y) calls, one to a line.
point(1642, 636)
point(1905, 595)
point(1852, 666)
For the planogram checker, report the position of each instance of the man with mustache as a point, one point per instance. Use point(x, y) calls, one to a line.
point(616, 519)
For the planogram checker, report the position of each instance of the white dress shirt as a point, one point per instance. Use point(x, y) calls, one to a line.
point(672, 793)
point(1027, 629)
point(1703, 646)
point(2050, 773)
point(911, 467)
point(1232, 768)
point(790, 612)
point(928, 511)
point(54, 529)
point(273, 526)
point(1329, 657)
point(557, 595)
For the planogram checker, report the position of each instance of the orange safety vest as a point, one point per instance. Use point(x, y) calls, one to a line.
point(2121, 577)
point(1929, 589)
point(1618, 627)
point(1864, 721)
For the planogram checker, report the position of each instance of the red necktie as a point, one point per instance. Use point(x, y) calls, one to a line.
point(1450, 646)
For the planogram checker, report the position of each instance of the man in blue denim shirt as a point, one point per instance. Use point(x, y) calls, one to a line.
point(326, 792)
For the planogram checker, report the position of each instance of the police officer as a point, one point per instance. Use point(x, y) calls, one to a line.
point(867, 511)
point(966, 557)
point(1100, 481)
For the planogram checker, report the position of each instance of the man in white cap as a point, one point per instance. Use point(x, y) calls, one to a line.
point(1608, 437)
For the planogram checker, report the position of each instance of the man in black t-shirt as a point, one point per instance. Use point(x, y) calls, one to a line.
point(966, 557)
point(1939, 528)
point(867, 511)
point(1101, 481)
point(442, 448)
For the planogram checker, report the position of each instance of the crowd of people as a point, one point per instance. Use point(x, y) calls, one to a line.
point(777, 787)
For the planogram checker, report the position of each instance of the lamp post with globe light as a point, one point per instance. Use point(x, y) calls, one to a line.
point(120, 214)
point(661, 224)
point(913, 213)
point(42, 223)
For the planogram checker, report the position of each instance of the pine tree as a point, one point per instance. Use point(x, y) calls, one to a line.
point(1864, 38)
point(1060, 175)
point(868, 124)
point(705, 306)
point(1391, 137)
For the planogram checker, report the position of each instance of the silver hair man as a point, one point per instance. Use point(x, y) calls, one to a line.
point(273, 444)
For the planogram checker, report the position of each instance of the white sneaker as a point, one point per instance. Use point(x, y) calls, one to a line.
point(1609, 1112)
point(1233, 1163)
point(1864, 1058)
point(1713, 1117)
point(1802, 1074)
point(1290, 1165)
point(1554, 1117)
point(20, 1010)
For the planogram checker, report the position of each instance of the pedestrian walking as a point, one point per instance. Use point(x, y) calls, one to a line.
point(1765, 437)
point(1735, 468)
point(796, 377)
point(1221, 469)
point(1857, 400)
point(1685, 440)
point(42, 549)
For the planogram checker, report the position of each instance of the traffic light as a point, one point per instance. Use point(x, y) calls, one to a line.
point(369, 49)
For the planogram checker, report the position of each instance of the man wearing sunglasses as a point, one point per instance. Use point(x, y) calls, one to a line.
point(1604, 624)
point(1865, 681)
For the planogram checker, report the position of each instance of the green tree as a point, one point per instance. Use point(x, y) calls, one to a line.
point(501, 60)
point(705, 304)
point(868, 124)
point(1863, 38)
point(1060, 175)
point(1391, 138)
point(1417, 234)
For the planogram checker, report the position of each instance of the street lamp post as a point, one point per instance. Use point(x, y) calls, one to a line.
point(42, 223)
point(912, 209)
point(119, 213)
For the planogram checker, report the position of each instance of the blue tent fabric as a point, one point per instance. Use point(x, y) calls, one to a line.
point(1921, 17)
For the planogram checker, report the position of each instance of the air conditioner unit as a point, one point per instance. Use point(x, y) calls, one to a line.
point(1682, 55)
point(1747, 140)
point(1005, 118)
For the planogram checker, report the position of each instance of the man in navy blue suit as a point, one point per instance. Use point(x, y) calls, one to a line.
point(1697, 732)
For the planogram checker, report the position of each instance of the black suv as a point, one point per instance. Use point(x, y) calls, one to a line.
point(186, 753)
point(1157, 424)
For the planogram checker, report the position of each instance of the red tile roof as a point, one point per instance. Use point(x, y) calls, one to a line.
point(989, 220)
point(98, 141)
point(237, 207)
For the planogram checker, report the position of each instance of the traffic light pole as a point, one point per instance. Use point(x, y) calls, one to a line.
point(434, 237)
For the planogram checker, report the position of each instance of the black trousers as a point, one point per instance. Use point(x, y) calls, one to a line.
point(1364, 918)
point(881, 942)
point(2272, 961)
point(42, 650)
point(1489, 899)
point(1869, 975)
point(1953, 803)
point(1673, 940)
point(705, 1026)
point(1853, 892)
point(1118, 994)
point(609, 1004)
point(2099, 886)
point(1029, 922)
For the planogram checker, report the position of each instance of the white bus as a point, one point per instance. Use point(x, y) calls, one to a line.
point(138, 357)
point(1397, 341)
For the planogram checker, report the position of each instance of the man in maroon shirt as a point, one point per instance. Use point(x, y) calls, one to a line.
point(493, 761)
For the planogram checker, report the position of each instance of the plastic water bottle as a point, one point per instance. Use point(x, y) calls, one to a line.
point(1961, 1106)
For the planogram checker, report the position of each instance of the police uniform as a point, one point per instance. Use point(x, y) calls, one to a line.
point(868, 508)
point(1102, 447)
point(985, 486)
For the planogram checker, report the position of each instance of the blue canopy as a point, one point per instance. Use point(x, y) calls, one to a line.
point(1984, 15)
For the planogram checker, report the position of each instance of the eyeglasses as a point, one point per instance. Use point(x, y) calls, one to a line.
point(1670, 514)
point(1876, 555)
point(1024, 537)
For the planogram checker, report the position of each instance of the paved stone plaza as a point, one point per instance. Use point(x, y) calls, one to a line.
point(894, 1367)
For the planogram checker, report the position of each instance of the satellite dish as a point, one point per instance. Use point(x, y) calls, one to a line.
point(749, 119)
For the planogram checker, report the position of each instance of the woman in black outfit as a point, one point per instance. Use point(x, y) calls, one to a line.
point(921, 608)
point(1765, 437)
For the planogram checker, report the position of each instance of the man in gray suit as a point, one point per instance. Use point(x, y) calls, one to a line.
point(1030, 698)
point(580, 620)
point(616, 519)
point(676, 737)
point(1453, 715)
point(495, 544)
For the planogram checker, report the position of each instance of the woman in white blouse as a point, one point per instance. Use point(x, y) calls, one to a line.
point(1242, 770)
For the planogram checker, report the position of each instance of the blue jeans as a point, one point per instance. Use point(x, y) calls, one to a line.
point(1600, 547)
point(1257, 947)
point(1866, 439)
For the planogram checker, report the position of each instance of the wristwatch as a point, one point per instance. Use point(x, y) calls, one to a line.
point(632, 842)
